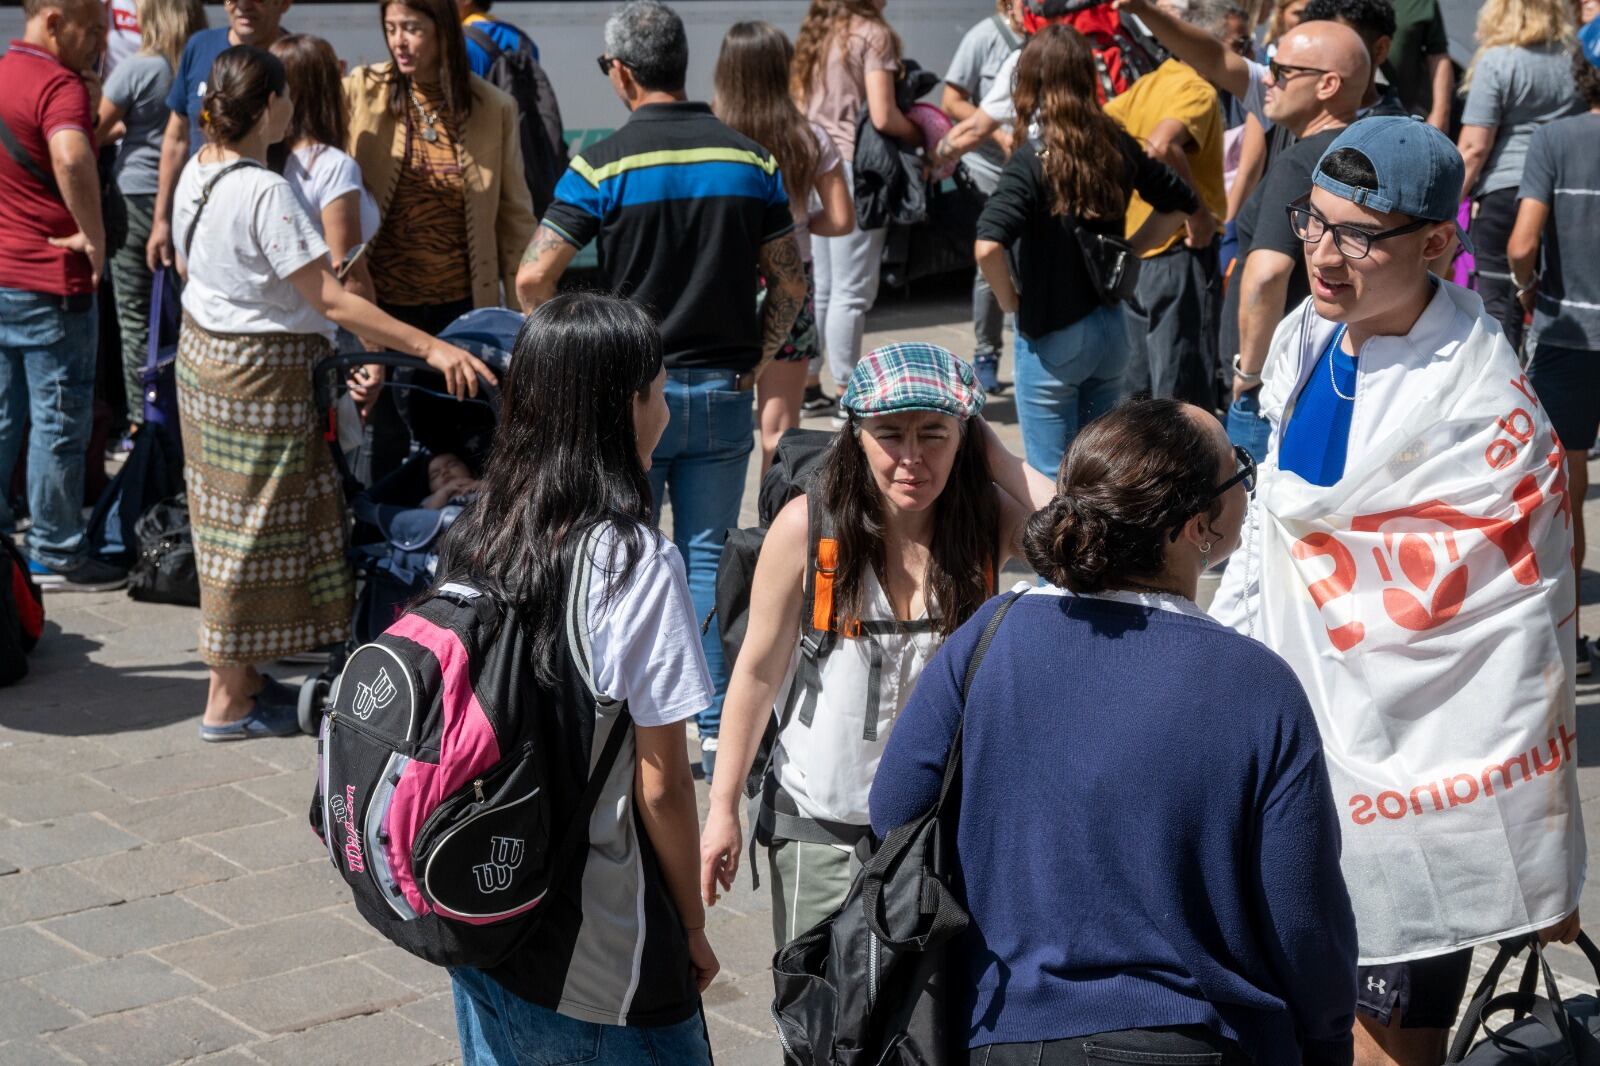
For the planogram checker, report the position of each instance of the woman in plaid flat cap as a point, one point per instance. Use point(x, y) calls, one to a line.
point(915, 508)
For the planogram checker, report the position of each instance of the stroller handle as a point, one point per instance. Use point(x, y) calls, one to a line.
point(325, 375)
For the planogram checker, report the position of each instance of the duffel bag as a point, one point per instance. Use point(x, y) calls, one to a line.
point(1546, 1030)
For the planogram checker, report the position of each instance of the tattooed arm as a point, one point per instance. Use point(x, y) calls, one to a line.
point(543, 263)
point(786, 294)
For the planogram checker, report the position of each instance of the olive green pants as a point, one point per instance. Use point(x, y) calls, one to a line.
point(808, 883)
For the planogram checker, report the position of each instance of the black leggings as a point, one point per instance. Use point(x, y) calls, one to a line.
point(1492, 218)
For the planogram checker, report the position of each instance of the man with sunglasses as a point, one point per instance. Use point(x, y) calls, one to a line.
point(1407, 555)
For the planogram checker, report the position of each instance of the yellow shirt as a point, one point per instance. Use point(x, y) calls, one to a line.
point(1173, 90)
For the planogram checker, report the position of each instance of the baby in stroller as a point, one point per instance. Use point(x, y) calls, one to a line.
point(450, 481)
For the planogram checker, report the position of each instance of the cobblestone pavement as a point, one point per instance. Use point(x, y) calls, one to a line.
point(162, 900)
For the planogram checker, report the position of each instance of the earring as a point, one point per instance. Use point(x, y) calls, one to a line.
point(1205, 551)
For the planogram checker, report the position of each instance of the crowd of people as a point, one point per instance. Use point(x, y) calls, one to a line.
point(1267, 832)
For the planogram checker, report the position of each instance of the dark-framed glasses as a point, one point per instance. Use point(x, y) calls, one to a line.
point(1246, 473)
point(604, 63)
point(1288, 71)
point(1352, 241)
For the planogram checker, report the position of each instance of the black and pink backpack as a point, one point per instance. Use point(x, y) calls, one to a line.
point(445, 793)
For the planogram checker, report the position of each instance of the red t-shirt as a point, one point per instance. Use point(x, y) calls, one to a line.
point(41, 97)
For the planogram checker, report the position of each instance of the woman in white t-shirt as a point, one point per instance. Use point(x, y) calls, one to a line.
point(751, 86)
point(264, 503)
point(562, 533)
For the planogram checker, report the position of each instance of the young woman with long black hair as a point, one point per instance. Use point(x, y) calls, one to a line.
point(562, 532)
point(916, 508)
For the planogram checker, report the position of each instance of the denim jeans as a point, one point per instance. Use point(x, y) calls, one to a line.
point(699, 469)
point(1180, 1045)
point(1064, 379)
point(1247, 428)
point(846, 270)
point(47, 359)
point(497, 1028)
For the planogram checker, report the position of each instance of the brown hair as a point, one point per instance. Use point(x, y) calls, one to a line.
point(828, 22)
point(165, 26)
point(1130, 480)
point(313, 72)
point(751, 94)
point(1082, 153)
point(455, 72)
point(1586, 76)
point(243, 80)
point(961, 559)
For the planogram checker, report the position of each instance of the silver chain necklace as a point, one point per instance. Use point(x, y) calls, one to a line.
point(1333, 349)
point(429, 118)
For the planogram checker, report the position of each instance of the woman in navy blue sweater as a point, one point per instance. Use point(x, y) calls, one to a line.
point(1147, 839)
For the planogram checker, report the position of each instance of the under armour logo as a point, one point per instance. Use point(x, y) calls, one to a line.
point(1377, 985)
point(505, 855)
point(373, 696)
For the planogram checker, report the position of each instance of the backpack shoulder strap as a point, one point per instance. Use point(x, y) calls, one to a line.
point(1006, 32)
point(15, 150)
point(205, 198)
point(482, 40)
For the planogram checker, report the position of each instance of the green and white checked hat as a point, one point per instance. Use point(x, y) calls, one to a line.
point(913, 377)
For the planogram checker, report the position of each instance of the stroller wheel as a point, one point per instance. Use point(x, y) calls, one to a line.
point(310, 706)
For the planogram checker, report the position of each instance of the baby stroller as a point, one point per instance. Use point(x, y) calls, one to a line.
point(394, 541)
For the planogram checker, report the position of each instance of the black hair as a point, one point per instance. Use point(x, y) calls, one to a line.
point(1370, 19)
point(565, 460)
point(1129, 482)
point(242, 81)
point(1587, 77)
point(1351, 167)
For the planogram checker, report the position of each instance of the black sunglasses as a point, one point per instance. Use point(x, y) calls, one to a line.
point(1285, 71)
point(1352, 241)
point(604, 63)
point(1246, 474)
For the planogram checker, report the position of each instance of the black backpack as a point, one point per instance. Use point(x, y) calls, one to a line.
point(164, 570)
point(437, 795)
point(1545, 1030)
point(544, 144)
point(876, 981)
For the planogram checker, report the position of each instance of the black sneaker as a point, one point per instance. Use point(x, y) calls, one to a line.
point(815, 402)
point(1584, 667)
point(91, 575)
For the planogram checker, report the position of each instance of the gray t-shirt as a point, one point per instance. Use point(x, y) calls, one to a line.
point(1563, 173)
point(1517, 90)
point(138, 86)
point(978, 59)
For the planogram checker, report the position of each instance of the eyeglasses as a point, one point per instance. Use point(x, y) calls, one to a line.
point(1246, 474)
point(604, 63)
point(1352, 241)
point(1286, 72)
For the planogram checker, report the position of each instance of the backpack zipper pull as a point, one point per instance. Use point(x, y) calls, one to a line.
point(477, 788)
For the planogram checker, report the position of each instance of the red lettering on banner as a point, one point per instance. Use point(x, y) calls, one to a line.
point(1518, 424)
point(1500, 453)
point(1335, 585)
point(1399, 805)
point(1363, 815)
point(1462, 790)
point(1432, 790)
point(1520, 383)
point(1456, 799)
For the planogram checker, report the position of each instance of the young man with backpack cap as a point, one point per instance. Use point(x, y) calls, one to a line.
point(1407, 553)
point(897, 540)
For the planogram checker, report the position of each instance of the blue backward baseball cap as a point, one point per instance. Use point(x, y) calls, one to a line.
point(1419, 170)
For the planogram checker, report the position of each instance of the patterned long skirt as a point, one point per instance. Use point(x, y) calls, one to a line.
point(264, 500)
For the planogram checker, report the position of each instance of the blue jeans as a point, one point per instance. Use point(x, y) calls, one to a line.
point(699, 468)
point(1247, 428)
point(47, 359)
point(497, 1028)
point(1064, 379)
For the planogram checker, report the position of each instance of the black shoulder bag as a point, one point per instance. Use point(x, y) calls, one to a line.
point(1545, 1030)
point(205, 198)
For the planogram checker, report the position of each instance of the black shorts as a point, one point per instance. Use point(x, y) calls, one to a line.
point(1568, 383)
point(1426, 993)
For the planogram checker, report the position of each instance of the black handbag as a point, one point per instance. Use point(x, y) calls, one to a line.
point(164, 571)
point(1113, 266)
point(1545, 1030)
point(875, 983)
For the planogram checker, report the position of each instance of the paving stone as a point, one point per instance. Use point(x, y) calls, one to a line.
point(157, 869)
point(301, 999)
point(72, 794)
point(283, 842)
point(22, 764)
point(393, 961)
point(35, 894)
point(8, 867)
point(138, 925)
point(307, 886)
point(290, 792)
point(188, 813)
point(150, 738)
point(157, 1036)
point(437, 1014)
point(239, 955)
point(27, 1012)
point(77, 836)
point(380, 1038)
point(25, 950)
point(216, 764)
point(296, 755)
point(32, 1051)
point(115, 984)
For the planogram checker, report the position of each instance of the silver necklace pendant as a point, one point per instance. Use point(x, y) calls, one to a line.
point(1333, 380)
point(429, 134)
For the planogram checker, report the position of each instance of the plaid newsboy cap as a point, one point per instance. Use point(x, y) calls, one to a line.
point(913, 377)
